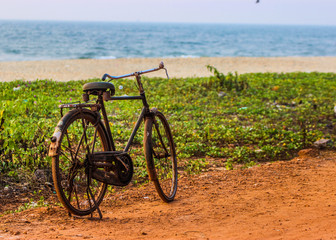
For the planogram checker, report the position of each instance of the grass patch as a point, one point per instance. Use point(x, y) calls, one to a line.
point(265, 117)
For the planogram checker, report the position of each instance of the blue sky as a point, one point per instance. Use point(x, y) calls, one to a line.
point(310, 12)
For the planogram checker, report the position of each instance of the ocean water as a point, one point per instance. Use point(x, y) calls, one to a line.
point(45, 40)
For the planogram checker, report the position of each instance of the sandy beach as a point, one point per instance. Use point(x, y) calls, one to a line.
point(65, 70)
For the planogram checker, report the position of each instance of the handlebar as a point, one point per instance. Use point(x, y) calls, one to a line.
point(161, 66)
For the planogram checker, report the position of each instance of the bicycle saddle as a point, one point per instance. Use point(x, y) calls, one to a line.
point(94, 87)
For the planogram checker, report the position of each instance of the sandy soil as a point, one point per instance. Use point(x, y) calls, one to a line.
point(283, 200)
point(64, 70)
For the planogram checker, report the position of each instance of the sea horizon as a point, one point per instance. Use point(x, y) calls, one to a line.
point(150, 22)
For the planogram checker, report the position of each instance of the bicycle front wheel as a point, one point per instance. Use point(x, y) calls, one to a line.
point(81, 134)
point(161, 156)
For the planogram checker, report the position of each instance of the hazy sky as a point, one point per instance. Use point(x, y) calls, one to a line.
point(316, 12)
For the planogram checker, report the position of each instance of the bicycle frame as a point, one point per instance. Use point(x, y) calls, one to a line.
point(145, 112)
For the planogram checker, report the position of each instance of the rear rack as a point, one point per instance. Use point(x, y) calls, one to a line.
point(78, 105)
point(94, 106)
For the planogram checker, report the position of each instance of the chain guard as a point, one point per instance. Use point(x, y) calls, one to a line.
point(124, 168)
point(120, 174)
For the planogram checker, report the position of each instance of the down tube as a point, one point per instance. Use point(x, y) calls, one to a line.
point(136, 127)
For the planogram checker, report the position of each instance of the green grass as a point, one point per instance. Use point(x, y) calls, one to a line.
point(271, 118)
point(28, 205)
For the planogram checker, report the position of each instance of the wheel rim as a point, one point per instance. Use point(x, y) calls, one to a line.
point(164, 156)
point(79, 139)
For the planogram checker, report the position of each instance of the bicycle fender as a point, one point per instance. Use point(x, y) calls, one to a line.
point(55, 139)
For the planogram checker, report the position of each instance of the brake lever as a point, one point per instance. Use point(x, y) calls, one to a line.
point(166, 72)
point(104, 77)
point(161, 66)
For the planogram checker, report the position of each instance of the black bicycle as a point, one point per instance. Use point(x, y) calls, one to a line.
point(84, 156)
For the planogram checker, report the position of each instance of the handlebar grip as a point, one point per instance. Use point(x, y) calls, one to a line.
point(104, 77)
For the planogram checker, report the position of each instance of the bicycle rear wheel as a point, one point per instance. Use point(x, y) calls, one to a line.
point(81, 134)
point(161, 156)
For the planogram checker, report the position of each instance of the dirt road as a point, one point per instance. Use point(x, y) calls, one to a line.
point(284, 200)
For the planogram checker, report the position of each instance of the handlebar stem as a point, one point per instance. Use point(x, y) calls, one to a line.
point(138, 78)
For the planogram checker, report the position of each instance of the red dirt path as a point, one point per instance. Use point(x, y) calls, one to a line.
point(284, 200)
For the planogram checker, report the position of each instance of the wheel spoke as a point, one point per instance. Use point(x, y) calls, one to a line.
point(69, 143)
point(78, 147)
point(78, 205)
point(159, 135)
point(94, 140)
point(63, 154)
point(85, 125)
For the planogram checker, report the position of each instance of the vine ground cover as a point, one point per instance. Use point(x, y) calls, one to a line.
point(273, 118)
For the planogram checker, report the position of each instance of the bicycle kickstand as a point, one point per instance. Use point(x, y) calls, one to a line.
point(94, 201)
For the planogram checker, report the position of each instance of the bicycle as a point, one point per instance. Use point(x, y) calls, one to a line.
point(84, 157)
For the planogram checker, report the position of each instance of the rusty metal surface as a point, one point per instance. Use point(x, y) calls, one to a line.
point(118, 167)
point(78, 105)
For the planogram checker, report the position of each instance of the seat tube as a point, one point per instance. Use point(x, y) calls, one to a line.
point(107, 125)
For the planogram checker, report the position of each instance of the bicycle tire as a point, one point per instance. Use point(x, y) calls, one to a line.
point(70, 164)
point(160, 156)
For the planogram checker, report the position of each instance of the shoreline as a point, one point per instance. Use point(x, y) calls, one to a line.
point(82, 69)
